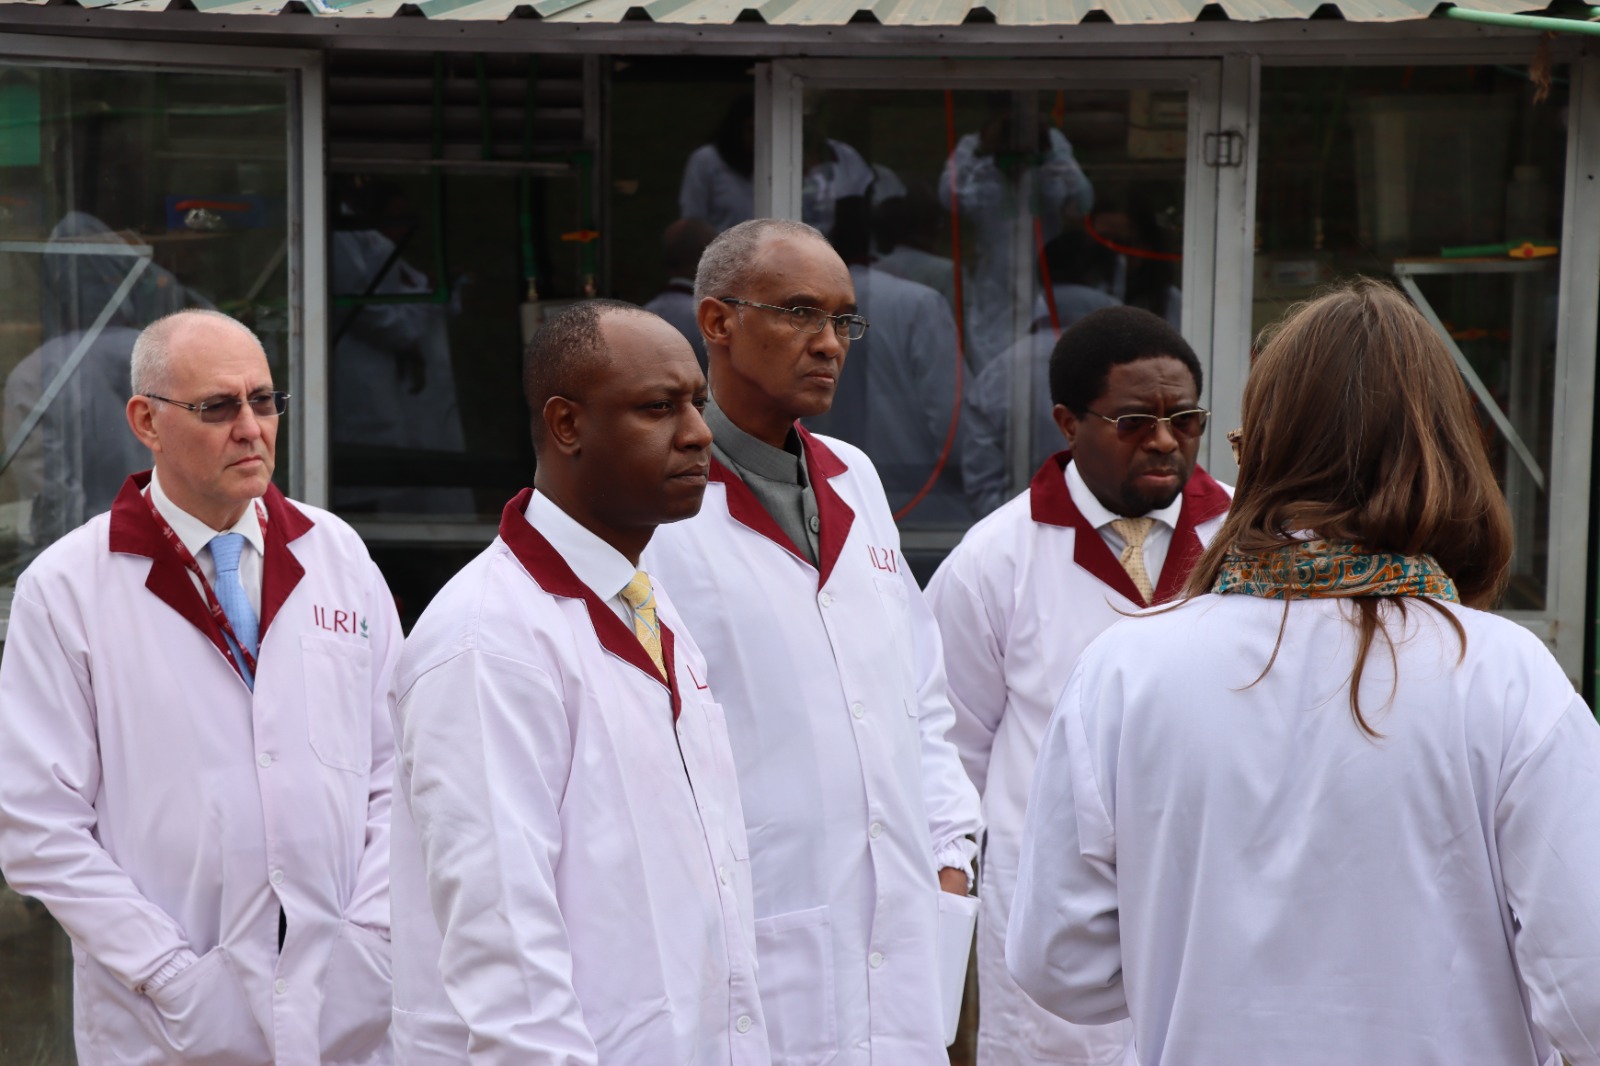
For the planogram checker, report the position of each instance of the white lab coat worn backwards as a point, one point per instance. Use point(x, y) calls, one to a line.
point(1018, 600)
point(834, 688)
point(1228, 859)
point(164, 812)
point(571, 881)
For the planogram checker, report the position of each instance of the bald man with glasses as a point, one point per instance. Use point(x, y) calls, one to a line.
point(1111, 524)
point(195, 751)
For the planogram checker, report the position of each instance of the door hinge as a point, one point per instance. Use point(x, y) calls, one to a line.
point(1224, 149)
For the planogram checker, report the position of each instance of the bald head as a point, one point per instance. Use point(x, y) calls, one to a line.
point(151, 370)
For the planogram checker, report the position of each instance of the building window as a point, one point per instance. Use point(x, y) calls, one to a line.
point(1449, 182)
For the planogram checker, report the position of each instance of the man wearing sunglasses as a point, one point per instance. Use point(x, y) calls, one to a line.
point(195, 750)
point(1110, 525)
point(828, 666)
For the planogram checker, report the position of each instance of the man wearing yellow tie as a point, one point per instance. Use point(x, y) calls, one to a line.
point(570, 880)
point(1112, 524)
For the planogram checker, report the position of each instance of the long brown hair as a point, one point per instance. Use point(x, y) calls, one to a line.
point(1357, 426)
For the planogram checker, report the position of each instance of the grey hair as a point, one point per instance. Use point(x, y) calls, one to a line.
point(150, 369)
point(727, 259)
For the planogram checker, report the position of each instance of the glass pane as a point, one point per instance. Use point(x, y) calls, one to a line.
point(978, 226)
point(461, 211)
point(1448, 180)
point(124, 195)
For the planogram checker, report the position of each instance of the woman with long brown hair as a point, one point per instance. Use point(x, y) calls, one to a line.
point(1327, 809)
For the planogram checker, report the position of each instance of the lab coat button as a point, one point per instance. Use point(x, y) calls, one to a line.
point(264, 759)
point(875, 830)
point(857, 710)
point(277, 877)
point(743, 1024)
point(875, 959)
point(281, 986)
point(826, 599)
point(722, 874)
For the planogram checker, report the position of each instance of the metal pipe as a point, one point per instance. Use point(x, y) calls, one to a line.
point(1539, 23)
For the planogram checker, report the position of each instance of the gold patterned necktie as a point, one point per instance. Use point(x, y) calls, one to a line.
point(1133, 531)
point(641, 601)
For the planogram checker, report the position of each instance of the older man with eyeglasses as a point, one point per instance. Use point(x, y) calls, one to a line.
point(1112, 524)
point(828, 667)
point(195, 751)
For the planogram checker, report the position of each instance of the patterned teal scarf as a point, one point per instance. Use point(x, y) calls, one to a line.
point(1332, 568)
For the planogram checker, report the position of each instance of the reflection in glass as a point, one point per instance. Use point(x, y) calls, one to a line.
point(1447, 180)
point(393, 380)
point(994, 221)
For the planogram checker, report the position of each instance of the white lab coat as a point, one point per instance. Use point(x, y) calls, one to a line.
point(1229, 859)
point(571, 881)
point(1018, 600)
point(834, 689)
point(158, 807)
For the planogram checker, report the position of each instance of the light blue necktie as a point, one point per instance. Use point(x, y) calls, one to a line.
point(225, 551)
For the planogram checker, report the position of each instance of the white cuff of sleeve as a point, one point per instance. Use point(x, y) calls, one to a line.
point(956, 855)
point(180, 961)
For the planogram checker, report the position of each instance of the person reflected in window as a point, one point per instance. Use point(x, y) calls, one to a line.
point(718, 179)
point(985, 176)
point(1081, 271)
point(79, 452)
point(681, 247)
point(394, 407)
point(907, 232)
point(897, 393)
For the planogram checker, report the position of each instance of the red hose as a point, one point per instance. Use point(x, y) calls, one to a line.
point(1123, 249)
point(955, 255)
point(1044, 275)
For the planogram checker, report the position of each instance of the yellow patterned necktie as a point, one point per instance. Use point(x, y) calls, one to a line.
point(1133, 531)
point(641, 601)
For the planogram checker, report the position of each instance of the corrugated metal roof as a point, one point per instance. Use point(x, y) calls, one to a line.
point(832, 12)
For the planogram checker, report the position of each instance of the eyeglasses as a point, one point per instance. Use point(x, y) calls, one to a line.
point(812, 319)
point(1189, 423)
point(216, 412)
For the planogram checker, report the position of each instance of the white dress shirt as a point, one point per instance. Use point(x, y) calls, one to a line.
point(597, 564)
point(1156, 542)
point(196, 536)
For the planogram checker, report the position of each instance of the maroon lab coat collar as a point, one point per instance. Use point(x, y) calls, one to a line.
point(834, 515)
point(550, 572)
point(1203, 500)
point(134, 532)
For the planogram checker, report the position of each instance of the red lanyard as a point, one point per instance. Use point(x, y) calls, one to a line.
point(218, 616)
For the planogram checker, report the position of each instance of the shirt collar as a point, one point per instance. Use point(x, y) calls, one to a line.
point(753, 455)
point(1101, 516)
point(597, 564)
point(194, 534)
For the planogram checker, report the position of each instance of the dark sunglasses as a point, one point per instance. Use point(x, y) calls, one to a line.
point(262, 405)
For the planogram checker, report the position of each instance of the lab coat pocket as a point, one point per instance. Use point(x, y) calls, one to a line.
point(794, 953)
point(203, 1014)
point(958, 919)
point(355, 997)
point(339, 702)
point(895, 604)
